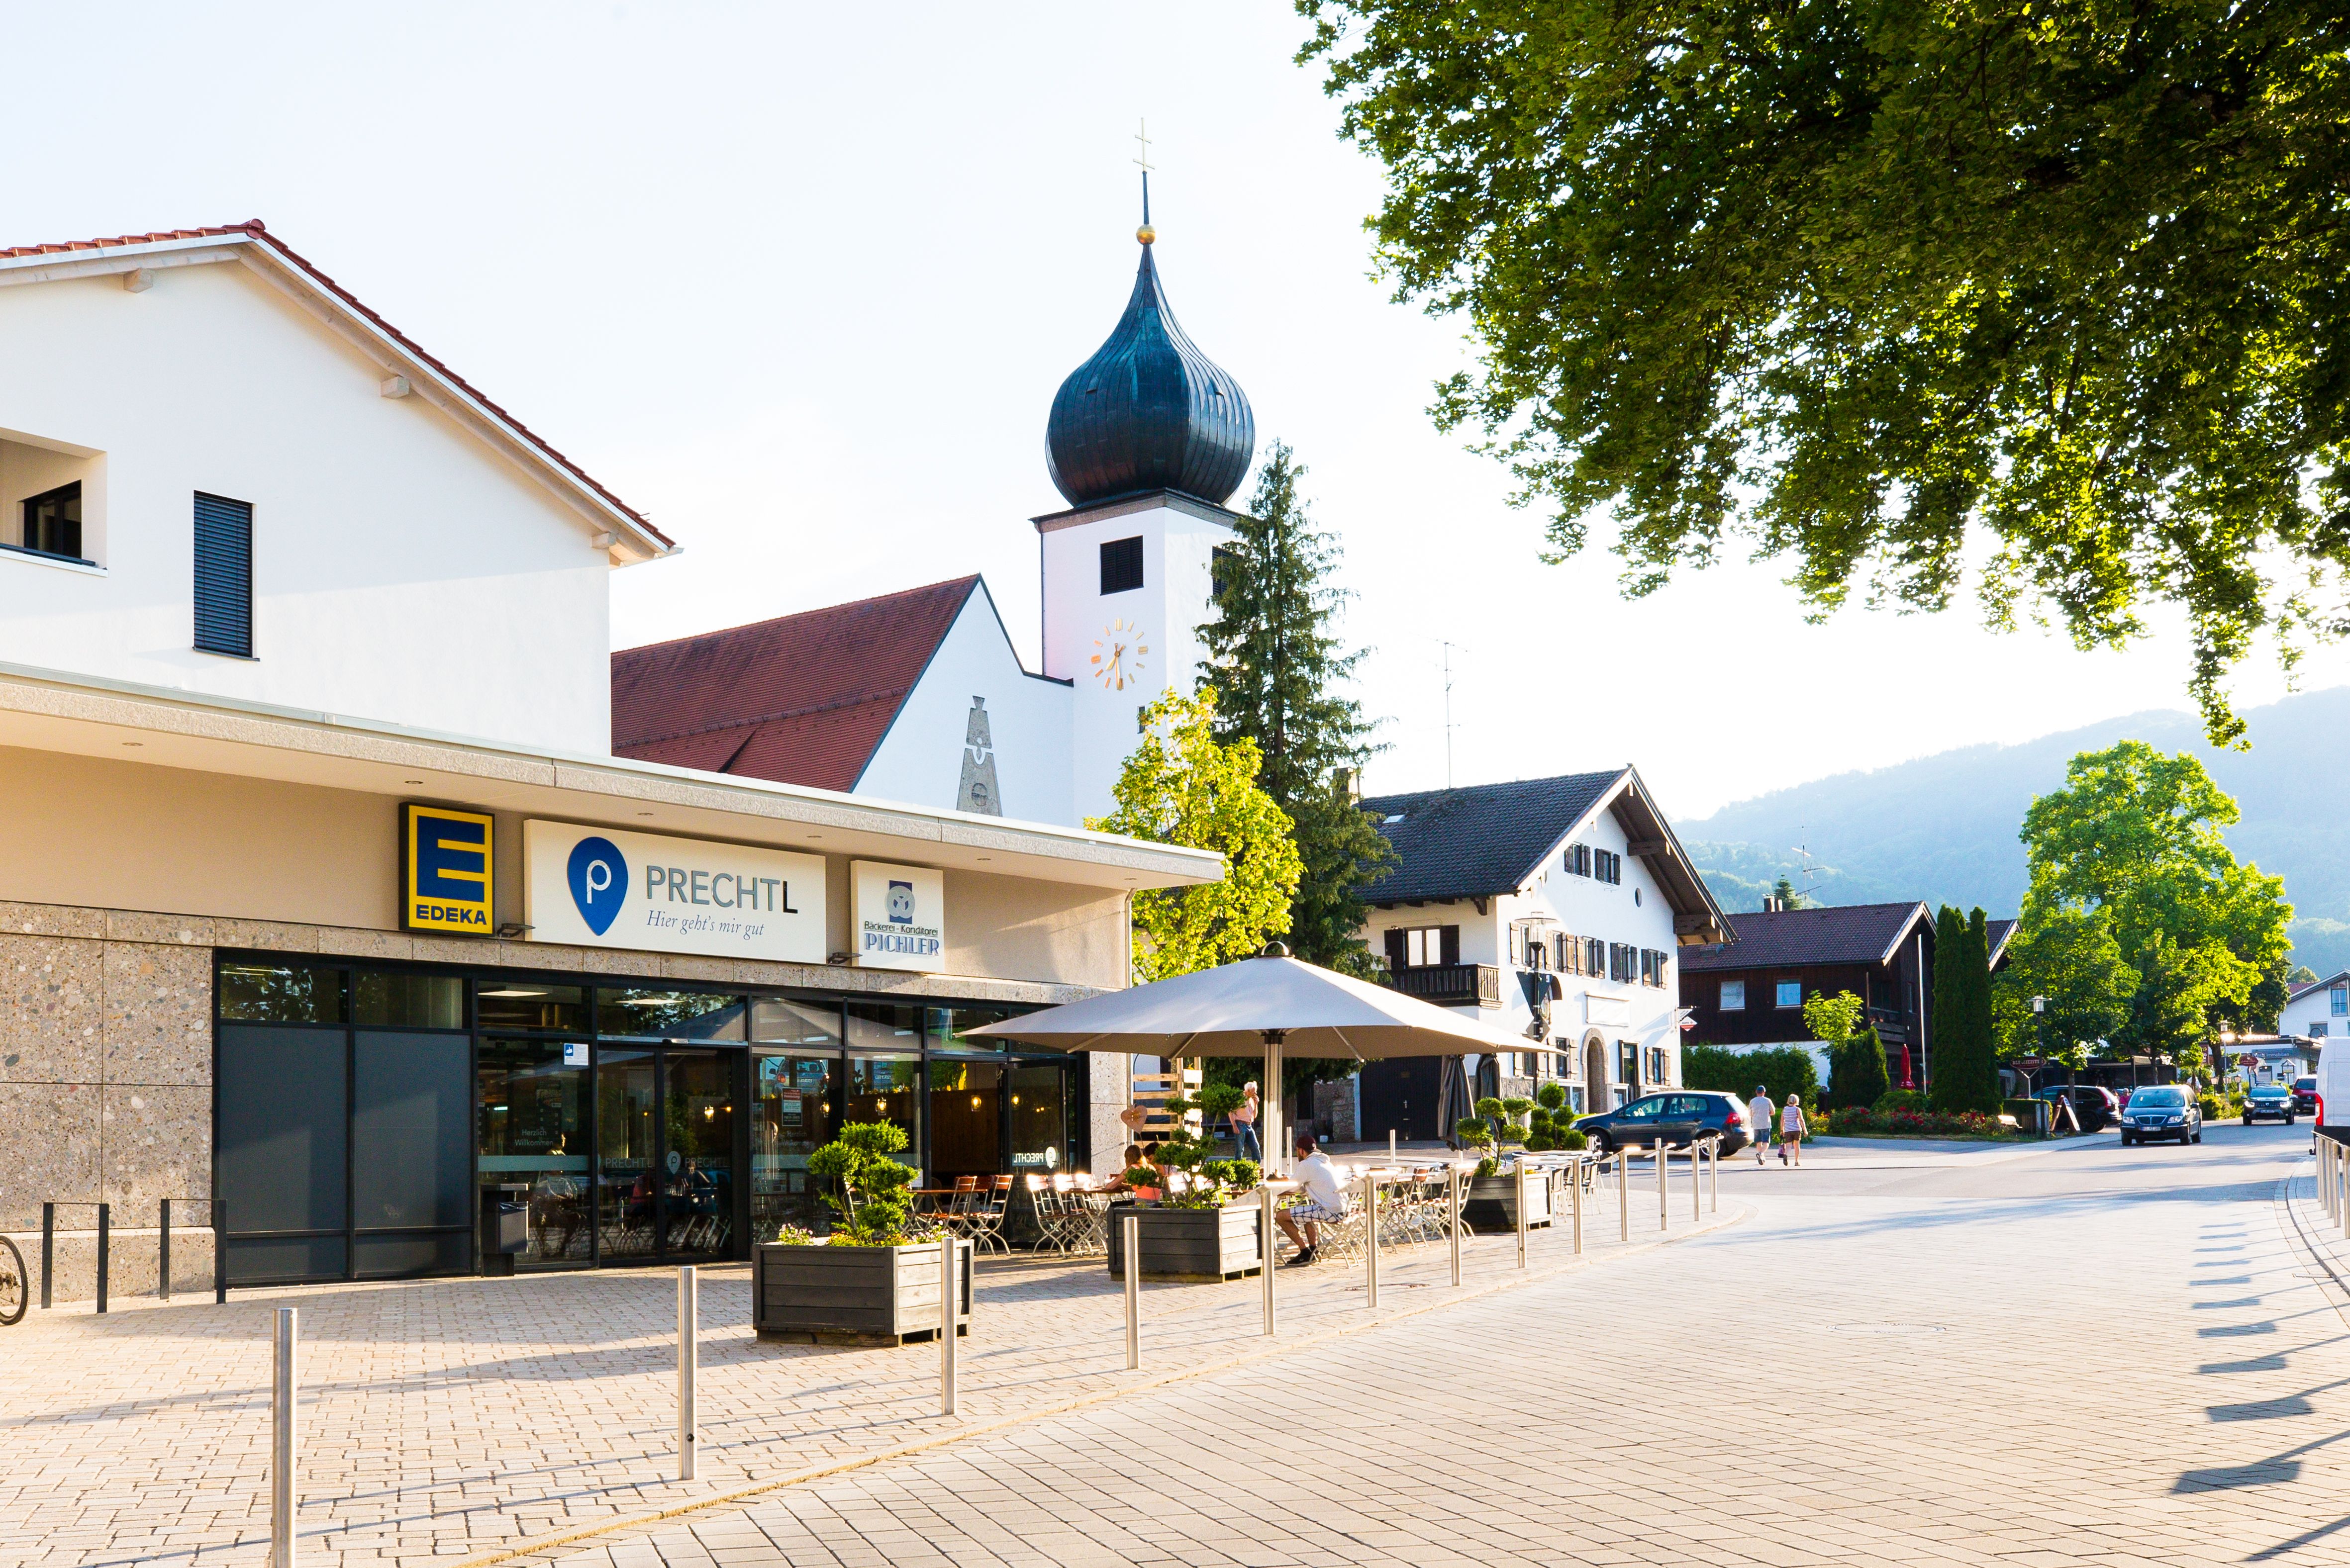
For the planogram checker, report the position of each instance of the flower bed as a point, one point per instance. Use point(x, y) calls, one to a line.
point(1854, 1121)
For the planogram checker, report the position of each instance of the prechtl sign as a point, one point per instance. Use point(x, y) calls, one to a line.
point(602, 887)
point(901, 916)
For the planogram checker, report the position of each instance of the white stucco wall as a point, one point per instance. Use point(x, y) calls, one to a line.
point(403, 570)
point(1175, 598)
point(2312, 1012)
point(920, 759)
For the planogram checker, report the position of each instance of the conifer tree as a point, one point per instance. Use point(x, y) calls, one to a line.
point(1979, 1091)
point(1275, 664)
point(1946, 1029)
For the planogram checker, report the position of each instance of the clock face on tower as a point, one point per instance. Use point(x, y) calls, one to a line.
point(1118, 655)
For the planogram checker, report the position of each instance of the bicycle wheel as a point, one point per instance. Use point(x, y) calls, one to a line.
point(15, 1287)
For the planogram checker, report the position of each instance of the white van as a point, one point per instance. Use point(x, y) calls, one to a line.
point(2333, 1094)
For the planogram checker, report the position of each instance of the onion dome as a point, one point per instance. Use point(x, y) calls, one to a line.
point(1149, 411)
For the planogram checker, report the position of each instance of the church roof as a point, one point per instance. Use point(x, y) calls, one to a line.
point(1149, 411)
point(803, 698)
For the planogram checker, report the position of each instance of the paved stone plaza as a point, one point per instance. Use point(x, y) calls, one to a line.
point(1904, 1354)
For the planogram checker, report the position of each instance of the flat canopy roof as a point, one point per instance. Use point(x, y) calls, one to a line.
point(46, 710)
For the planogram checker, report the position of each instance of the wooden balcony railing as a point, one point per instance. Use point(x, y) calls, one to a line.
point(1452, 984)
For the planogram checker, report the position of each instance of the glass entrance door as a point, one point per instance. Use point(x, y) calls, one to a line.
point(697, 1187)
point(533, 1113)
point(627, 1154)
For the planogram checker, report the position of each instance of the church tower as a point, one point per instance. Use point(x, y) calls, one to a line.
point(1146, 440)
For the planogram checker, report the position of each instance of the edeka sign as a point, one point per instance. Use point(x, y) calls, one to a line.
point(601, 887)
point(446, 871)
point(901, 916)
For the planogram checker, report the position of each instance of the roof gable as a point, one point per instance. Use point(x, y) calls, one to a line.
point(2328, 983)
point(631, 536)
point(803, 698)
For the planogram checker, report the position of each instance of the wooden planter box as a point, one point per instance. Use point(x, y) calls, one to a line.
point(1490, 1206)
point(853, 1295)
point(1197, 1245)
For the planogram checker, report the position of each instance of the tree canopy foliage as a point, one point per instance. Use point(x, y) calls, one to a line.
point(1847, 279)
point(2133, 839)
point(1275, 662)
point(1181, 788)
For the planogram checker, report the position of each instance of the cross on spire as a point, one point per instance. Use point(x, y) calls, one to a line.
point(1142, 161)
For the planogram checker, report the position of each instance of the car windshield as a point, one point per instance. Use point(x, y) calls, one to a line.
point(2309, 1084)
point(2159, 1099)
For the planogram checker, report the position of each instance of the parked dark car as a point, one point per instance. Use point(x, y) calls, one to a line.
point(2161, 1111)
point(1676, 1116)
point(2304, 1096)
point(2095, 1106)
point(2268, 1102)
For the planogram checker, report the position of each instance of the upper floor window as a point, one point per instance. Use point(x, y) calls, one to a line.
point(1607, 865)
point(1425, 945)
point(1576, 861)
point(1733, 996)
point(1121, 565)
point(224, 575)
point(1791, 994)
point(2338, 1002)
point(51, 522)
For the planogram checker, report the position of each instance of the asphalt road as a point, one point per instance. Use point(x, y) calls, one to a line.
point(2068, 1353)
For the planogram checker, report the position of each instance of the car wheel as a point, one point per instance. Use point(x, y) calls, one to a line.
point(2248, 1118)
point(2288, 1120)
point(2198, 1137)
point(2127, 1140)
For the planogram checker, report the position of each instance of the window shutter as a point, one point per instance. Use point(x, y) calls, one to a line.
point(224, 575)
point(1451, 944)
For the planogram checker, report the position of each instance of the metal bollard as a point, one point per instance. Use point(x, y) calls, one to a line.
point(1624, 1190)
point(284, 1453)
point(1370, 1240)
point(1266, 1232)
point(1714, 1169)
point(1664, 1172)
point(220, 1251)
point(1452, 1227)
point(1392, 1146)
point(104, 1212)
point(48, 1249)
point(950, 1298)
point(1133, 1292)
point(689, 1322)
point(1697, 1199)
point(164, 1252)
point(1575, 1192)
point(1520, 1177)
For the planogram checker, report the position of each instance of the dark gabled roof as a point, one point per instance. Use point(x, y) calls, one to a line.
point(1785, 938)
point(1997, 934)
point(803, 698)
point(2298, 992)
point(1481, 840)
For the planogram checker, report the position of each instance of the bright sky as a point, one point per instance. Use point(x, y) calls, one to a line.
point(800, 282)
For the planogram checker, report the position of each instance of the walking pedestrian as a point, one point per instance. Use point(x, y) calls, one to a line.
point(1761, 1111)
point(1791, 1132)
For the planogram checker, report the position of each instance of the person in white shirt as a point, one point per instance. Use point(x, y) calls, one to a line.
point(1759, 1111)
point(1326, 1198)
point(1792, 1131)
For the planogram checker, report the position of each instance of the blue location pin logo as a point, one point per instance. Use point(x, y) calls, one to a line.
point(599, 882)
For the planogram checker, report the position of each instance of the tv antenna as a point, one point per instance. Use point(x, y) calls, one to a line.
point(1450, 649)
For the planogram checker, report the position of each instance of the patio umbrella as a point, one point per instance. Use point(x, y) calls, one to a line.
point(1273, 1005)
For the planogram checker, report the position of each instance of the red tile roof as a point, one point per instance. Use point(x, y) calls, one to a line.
point(252, 229)
point(803, 698)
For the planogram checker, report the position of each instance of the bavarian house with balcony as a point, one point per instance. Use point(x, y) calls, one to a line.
point(1555, 910)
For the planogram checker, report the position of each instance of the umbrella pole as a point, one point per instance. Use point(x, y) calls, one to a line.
point(1269, 1106)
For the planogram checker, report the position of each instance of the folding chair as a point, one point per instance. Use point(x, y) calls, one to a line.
point(984, 1219)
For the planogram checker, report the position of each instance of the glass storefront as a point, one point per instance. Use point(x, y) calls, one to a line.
point(370, 1115)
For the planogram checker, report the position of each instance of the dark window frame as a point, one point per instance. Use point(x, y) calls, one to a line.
point(223, 598)
point(67, 492)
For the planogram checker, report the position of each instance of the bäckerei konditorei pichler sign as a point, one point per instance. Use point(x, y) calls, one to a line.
point(603, 887)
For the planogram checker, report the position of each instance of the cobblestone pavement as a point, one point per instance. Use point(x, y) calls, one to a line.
point(453, 1420)
point(2082, 1355)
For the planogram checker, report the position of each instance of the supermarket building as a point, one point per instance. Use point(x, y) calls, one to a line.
point(326, 896)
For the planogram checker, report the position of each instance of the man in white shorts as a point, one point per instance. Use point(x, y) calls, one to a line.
point(1326, 1198)
point(1760, 1112)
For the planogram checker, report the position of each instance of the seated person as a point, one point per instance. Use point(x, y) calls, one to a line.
point(1326, 1198)
point(1133, 1158)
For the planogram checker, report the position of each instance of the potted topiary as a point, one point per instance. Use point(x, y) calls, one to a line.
point(1199, 1232)
point(1490, 1202)
point(872, 1281)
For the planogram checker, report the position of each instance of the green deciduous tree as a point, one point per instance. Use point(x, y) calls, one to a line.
point(1848, 281)
point(2069, 957)
point(1857, 1073)
point(2134, 836)
point(1181, 787)
point(1276, 667)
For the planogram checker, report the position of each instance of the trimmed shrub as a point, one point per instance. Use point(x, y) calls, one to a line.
point(1783, 1070)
